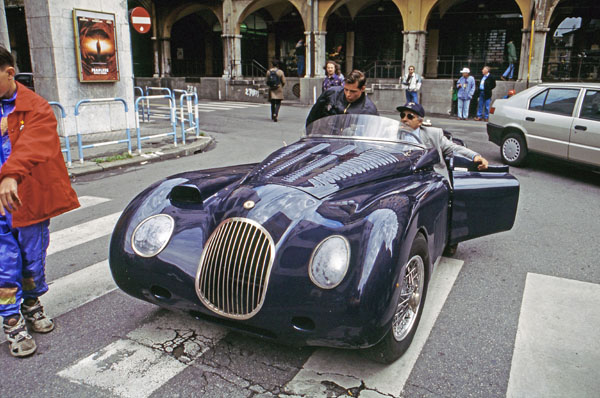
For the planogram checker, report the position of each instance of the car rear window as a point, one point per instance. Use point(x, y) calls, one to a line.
point(555, 100)
point(591, 105)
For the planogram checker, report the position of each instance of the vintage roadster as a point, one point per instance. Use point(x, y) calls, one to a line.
point(329, 241)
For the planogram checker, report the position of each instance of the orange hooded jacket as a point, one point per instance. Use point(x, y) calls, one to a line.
point(36, 161)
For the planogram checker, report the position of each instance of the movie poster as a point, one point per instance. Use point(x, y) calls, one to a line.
point(96, 46)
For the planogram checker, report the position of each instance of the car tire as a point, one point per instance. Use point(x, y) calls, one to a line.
point(513, 149)
point(408, 308)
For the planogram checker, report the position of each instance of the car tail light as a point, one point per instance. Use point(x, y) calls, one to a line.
point(492, 109)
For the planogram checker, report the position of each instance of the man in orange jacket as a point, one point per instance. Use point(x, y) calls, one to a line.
point(34, 186)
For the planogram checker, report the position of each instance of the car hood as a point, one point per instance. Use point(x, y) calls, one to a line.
point(323, 167)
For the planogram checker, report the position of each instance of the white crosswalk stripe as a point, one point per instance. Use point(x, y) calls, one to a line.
point(557, 347)
point(137, 366)
point(162, 111)
point(82, 233)
point(88, 201)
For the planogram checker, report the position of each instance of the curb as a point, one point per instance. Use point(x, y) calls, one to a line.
point(167, 152)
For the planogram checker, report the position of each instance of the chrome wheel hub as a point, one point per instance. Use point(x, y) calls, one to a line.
point(409, 303)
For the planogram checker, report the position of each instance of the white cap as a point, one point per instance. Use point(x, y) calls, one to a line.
point(465, 70)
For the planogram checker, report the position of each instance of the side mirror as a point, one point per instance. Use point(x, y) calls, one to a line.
point(429, 159)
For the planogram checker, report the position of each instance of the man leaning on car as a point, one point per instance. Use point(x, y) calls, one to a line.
point(351, 98)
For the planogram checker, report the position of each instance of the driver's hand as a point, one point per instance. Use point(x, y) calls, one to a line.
point(482, 163)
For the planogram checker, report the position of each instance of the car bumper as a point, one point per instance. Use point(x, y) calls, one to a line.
point(494, 132)
point(299, 322)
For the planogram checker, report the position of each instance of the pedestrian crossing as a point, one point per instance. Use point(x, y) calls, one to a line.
point(156, 352)
point(162, 111)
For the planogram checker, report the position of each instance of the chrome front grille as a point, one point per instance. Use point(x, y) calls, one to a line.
point(234, 270)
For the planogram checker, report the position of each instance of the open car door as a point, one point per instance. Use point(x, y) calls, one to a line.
point(483, 203)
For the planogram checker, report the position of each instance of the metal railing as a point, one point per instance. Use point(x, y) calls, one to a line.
point(172, 118)
point(191, 117)
point(253, 68)
point(572, 67)
point(65, 135)
point(98, 144)
point(384, 69)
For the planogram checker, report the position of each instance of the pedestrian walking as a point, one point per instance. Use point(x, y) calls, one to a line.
point(466, 89)
point(411, 83)
point(275, 81)
point(486, 85)
point(332, 79)
point(511, 51)
point(300, 56)
point(34, 186)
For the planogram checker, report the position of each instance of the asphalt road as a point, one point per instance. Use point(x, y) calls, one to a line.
point(470, 347)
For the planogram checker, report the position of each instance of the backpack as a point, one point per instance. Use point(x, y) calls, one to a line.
point(273, 80)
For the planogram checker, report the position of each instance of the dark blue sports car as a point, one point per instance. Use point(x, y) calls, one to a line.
point(329, 241)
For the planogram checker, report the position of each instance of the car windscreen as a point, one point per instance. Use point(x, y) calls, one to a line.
point(362, 127)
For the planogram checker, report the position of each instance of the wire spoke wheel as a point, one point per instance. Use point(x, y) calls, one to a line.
point(409, 304)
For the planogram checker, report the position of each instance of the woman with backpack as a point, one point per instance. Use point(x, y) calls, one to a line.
point(275, 81)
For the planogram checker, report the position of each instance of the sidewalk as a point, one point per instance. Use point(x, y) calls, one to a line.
point(115, 156)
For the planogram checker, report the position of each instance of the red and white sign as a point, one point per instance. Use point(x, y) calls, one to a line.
point(140, 19)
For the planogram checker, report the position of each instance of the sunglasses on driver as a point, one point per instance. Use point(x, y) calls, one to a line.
point(409, 116)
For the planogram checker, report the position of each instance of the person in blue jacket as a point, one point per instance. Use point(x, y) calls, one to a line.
point(466, 89)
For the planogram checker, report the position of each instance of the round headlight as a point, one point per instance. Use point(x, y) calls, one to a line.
point(152, 235)
point(329, 262)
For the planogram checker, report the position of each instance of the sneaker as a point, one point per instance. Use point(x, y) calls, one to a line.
point(36, 317)
point(503, 78)
point(21, 344)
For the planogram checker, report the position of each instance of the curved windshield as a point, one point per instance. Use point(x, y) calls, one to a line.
point(362, 126)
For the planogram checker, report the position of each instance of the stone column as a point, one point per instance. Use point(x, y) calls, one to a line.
point(165, 47)
point(432, 55)
point(232, 56)
point(320, 53)
point(349, 52)
point(308, 67)
point(414, 50)
point(54, 64)
point(4, 39)
point(537, 56)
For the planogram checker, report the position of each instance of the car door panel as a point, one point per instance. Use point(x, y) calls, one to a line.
point(548, 121)
point(483, 203)
point(585, 136)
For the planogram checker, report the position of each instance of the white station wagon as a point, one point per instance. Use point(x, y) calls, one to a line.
point(557, 119)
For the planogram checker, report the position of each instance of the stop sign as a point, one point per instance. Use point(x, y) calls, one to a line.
point(140, 20)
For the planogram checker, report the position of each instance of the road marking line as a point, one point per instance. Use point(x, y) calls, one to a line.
point(227, 106)
point(150, 356)
point(76, 289)
point(248, 104)
point(125, 368)
point(89, 201)
point(557, 350)
point(330, 364)
point(82, 233)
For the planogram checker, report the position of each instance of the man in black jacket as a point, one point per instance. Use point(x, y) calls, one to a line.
point(351, 98)
point(486, 85)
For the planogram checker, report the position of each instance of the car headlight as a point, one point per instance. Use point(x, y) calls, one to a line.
point(329, 262)
point(152, 235)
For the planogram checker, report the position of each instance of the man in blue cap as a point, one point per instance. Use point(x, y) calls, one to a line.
point(411, 116)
